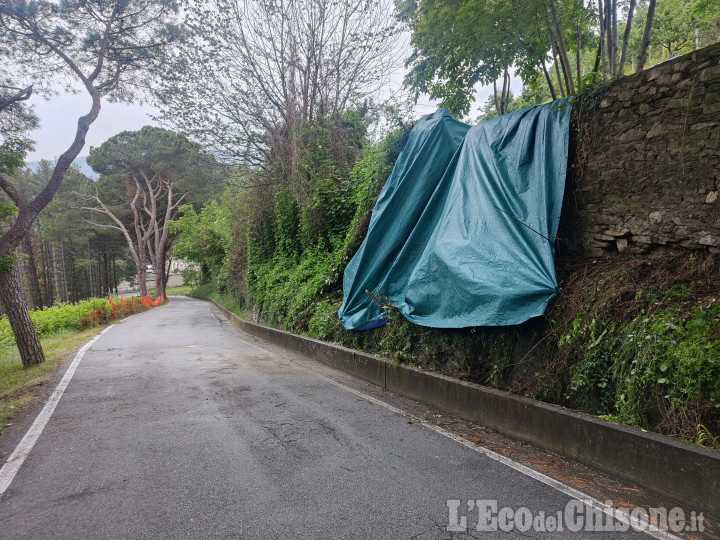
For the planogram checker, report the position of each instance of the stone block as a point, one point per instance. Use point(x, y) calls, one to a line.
point(612, 233)
point(712, 108)
point(655, 217)
point(710, 74)
point(633, 135)
point(709, 240)
point(626, 94)
point(594, 253)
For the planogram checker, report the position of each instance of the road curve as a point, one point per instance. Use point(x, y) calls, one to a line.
point(176, 425)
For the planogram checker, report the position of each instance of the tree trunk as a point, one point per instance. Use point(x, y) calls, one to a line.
point(100, 275)
point(63, 276)
point(35, 294)
point(114, 277)
point(578, 63)
point(548, 79)
point(76, 286)
point(44, 273)
point(106, 262)
point(614, 38)
point(495, 96)
point(554, 48)
point(641, 57)
point(626, 38)
point(56, 276)
point(166, 274)
point(562, 51)
point(87, 283)
point(90, 271)
point(159, 268)
point(611, 33)
point(603, 39)
point(14, 303)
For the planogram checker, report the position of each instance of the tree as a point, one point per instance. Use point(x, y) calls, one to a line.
point(252, 73)
point(15, 117)
point(642, 52)
point(151, 172)
point(100, 47)
point(66, 260)
point(458, 44)
point(205, 238)
point(626, 37)
point(674, 26)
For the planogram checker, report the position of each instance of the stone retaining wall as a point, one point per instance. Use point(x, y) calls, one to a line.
point(645, 161)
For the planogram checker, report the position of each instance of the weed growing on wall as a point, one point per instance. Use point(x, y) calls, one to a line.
point(638, 342)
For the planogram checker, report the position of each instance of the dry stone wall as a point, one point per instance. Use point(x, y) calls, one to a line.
point(645, 161)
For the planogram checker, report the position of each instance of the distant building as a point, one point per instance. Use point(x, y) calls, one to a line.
point(178, 265)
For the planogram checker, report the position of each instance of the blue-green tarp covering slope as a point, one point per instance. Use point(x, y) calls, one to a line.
point(463, 231)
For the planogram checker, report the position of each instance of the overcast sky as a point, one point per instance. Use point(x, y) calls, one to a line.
point(58, 121)
point(59, 115)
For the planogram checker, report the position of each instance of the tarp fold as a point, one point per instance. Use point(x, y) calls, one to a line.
point(463, 233)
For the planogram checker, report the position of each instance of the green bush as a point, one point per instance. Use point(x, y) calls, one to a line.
point(288, 288)
point(640, 349)
point(64, 316)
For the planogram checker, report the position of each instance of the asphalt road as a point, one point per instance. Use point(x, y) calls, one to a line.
point(176, 425)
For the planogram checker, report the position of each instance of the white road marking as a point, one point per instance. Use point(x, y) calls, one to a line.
point(18, 457)
point(637, 524)
point(640, 525)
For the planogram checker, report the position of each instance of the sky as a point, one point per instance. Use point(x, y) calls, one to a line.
point(59, 115)
point(58, 121)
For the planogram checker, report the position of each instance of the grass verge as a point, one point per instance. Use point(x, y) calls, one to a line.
point(208, 290)
point(19, 387)
point(182, 290)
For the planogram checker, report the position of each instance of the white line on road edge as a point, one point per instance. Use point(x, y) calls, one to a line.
point(640, 525)
point(15, 461)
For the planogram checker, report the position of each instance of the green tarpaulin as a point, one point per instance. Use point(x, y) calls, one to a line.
point(463, 233)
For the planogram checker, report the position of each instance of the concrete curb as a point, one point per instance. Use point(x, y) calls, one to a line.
point(683, 472)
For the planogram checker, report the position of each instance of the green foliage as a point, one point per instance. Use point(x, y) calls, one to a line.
point(205, 237)
point(652, 361)
point(64, 316)
point(12, 157)
point(460, 44)
point(8, 210)
point(151, 153)
point(677, 21)
point(324, 323)
point(192, 277)
point(9, 261)
point(312, 247)
point(530, 96)
point(656, 366)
